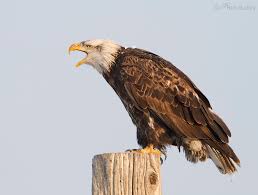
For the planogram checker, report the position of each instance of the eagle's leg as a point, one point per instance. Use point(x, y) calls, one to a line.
point(147, 150)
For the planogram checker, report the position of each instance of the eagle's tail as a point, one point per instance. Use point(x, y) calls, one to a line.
point(225, 164)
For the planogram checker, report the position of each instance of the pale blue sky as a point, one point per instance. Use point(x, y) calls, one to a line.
point(55, 118)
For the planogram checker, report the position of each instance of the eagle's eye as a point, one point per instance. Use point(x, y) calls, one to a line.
point(84, 44)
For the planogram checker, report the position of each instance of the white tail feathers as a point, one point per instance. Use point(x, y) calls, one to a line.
point(222, 162)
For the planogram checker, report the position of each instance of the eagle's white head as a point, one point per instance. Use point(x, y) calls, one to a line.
point(101, 54)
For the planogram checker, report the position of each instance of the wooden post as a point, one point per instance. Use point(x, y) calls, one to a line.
point(126, 173)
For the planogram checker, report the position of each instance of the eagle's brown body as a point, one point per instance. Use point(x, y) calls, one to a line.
point(164, 104)
point(166, 107)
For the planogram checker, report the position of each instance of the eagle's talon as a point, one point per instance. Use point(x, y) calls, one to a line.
point(161, 160)
point(131, 150)
point(147, 150)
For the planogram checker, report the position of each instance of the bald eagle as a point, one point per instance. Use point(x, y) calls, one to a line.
point(164, 104)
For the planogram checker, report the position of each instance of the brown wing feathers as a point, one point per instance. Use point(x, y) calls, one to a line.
point(177, 98)
point(165, 91)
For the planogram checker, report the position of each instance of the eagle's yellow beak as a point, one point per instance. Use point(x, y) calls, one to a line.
point(77, 47)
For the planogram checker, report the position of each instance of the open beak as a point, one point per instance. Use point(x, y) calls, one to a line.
point(77, 47)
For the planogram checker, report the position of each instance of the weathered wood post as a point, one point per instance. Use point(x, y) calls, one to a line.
point(126, 173)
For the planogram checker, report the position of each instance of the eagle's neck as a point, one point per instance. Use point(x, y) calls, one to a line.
point(113, 71)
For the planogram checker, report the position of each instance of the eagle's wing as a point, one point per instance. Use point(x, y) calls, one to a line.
point(156, 85)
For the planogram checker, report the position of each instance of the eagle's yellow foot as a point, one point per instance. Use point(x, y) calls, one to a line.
point(147, 150)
